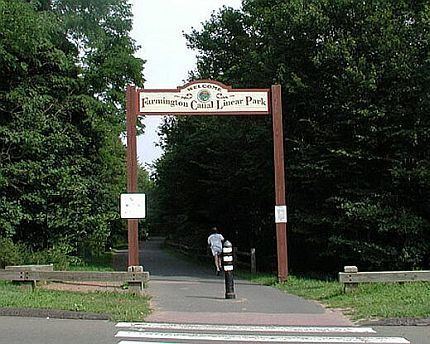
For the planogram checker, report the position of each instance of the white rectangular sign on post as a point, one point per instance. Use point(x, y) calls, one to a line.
point(133, 206)
point(281, 214)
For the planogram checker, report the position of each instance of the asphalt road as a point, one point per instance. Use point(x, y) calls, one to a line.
point(23, 330)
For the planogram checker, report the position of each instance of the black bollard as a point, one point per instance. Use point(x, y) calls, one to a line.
point(227, 258)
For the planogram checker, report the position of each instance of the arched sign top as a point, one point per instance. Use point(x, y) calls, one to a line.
point(208, 81)
point(204, 97)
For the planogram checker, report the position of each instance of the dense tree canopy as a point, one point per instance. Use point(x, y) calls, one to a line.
point(64, 67)
point(356, 90)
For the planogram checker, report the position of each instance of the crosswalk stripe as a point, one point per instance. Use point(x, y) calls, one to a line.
point(262, 338)
point(134, 342)
point(243, 328)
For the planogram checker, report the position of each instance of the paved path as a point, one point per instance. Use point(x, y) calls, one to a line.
point(188, 293)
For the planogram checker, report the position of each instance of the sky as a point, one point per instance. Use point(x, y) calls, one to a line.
point(157, 28)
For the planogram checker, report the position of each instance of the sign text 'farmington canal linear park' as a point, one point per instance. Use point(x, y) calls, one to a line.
point(202, 98)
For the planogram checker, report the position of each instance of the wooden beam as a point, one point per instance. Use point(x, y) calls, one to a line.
point(74, 276)
point(8, 275)
point(384, 276)
point(39, 267)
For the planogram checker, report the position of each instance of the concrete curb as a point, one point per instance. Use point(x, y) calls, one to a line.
point(52, 313)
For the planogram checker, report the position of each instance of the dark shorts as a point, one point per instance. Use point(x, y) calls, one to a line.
point(216, 251)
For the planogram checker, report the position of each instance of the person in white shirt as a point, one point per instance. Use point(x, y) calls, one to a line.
point(215, 241)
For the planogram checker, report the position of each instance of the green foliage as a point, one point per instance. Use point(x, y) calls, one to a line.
point(61, 255)
point(65, 65)
point(145, 185)
point(102, 262)
point(355, 79)
point(199, 185)
point(11, 253)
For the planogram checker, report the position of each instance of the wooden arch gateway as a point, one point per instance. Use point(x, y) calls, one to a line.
point(208, 97)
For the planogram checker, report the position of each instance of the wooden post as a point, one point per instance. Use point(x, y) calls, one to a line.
point(132, 111)
point(348, 287)
point(278, 149)
point(253, 262)
point(135, 287)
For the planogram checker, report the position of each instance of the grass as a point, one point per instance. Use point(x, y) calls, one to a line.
point(119, 306)
point(259, 278)
point(99, 263)
point(368, 301)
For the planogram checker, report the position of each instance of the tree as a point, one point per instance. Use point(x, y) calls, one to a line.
point(65, 66)
point(198, 185)
point(355, 78)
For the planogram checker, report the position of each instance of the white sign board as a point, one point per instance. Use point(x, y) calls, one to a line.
point(281, 214)
point(204, 97)
point(133, 206)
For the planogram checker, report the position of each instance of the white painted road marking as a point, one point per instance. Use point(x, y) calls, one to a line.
point(263, 338)
point(243, 328)
point(134, 342)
